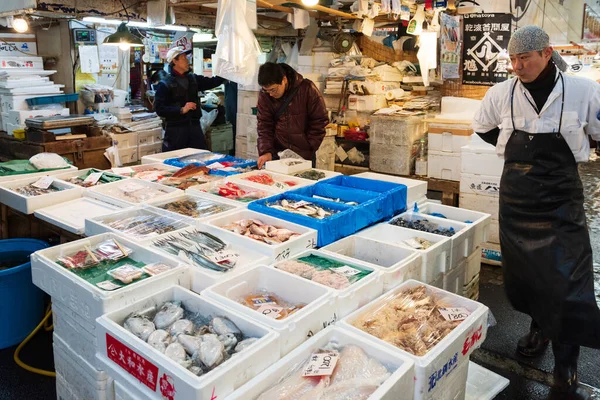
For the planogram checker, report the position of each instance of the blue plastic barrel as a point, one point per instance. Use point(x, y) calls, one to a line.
point(21, 302)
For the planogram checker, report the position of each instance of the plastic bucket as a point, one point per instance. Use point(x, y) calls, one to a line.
point(21, 303)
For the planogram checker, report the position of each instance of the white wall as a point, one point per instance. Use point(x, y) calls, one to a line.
point(16, 5)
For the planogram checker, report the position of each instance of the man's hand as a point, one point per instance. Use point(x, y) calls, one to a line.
point(263, 159)
point(188, 106)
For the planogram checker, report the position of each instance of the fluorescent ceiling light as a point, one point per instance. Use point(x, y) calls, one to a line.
point(137, 24)
point(97, 20)
point(172, 28)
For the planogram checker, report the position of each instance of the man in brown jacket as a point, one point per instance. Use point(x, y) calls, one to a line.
point(291, 113)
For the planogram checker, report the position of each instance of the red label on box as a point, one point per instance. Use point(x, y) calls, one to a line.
point(471, 340)
point(132, 362)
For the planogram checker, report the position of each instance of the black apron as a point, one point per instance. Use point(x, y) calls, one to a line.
point(182, 134)
point(545, 243)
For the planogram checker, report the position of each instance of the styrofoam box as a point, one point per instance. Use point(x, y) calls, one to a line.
point(477, 202)
point(481, 160)
point(357, 294)
point(36, 174)
point(149, 149)
point(436, 259)
point(471, 289)
point(158, 166)
point(395, 387)
point(396, 264)
point(129, 155)
point(480, 184)
point(473, 265)
point(28, 204)
point(124, 391)
point(11, 128)
point(103, 192)
point(448, 138)
point(83, 379)
point(366, 103)
point(442, 165)
point(124, 140)
point(279, 179)
point(478, 220)
point(202, 190)
point(100, 224)
point(200, 277)
point(454, 349)
point(246, 100)
point(87, 300)
point(298, 244)
point(71, 215)
point(63, 391)
point(71, 174)
point(157, 207)
point(18, 117)
point(483, 384)
point(462, 240)
point(454, 280)
point(319, 312)
point(455, 386)
point(10, 102)
point(416, 189)
point(494, 232)
point(219, 382)
point(152, 136)
point(317, 59)
point(281, 166)
point(159, 158)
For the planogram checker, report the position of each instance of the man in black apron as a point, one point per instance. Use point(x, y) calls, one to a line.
point(546, 252)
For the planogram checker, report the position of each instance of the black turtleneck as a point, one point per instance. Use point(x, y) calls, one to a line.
point(542, 86)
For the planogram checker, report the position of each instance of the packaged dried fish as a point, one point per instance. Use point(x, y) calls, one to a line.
point(257, 230)
point(196, 207)
point(311, 174)
point(424, 225)
point(80, 259)
point(412, 320)
point(303, 208)
point(126, 273)
point(270, 305)
point(94, 177)
point(111, 250)
point(418, 243)
point(156, 268)
point(143, 225)
point(135, 192)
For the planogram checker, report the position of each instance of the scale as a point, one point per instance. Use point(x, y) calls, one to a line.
point(84, 36)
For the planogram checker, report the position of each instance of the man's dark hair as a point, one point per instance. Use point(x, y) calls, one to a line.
point(158, 76)
point(270, 74)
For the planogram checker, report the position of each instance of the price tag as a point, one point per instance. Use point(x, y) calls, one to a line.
point(131, 187)
point(280, 185)
point(321, 364)
point(260, 300)
point(108, 285)
point(346, 271)
point(454, 314)
point(300, 203)
point(93, 178)
point(123, 171)
point(215, 165)
point(44, 183)
point(223, 255)
point(270, 310)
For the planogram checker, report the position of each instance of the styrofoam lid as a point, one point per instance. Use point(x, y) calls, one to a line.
point(483, 384)
point(457, 106)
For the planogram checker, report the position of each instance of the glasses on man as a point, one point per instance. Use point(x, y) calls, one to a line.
point(273, 90)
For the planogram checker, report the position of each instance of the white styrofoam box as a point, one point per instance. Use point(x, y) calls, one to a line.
point(443, 165)
point(28, 204)
point(318, 313)
point(438, 282)
point(152, 136)
point(100, 224)
point(358, 293)
point(454, 280)
point(494, 232)
point(36, 174)
point(283, 167)
point(395, 263)
point(11, 128)
point(480, 184)
point(481, 160)
point(69, 327)
point(9, 102)
point(378, 87)
point(107, 192)
point(328, 174)
point(204, 189)
point(447, 137)
point(370, 102)
point(473, 265)
point(295, 245)
point(432, 371)
point(246, 100)
point(149, 149)
point(83, 379)
point(126, 391)
point(18, 117)
point(71, 215)
point(219, 382)
point(455, 386)
point(478, 220)
point(483, 384)
point(86, 299)
point(159, 158)
point(416, 189)
point(395, 387)
point(157, 205)
point(477, 202)
point(201, 277)
point(124, 140)
point(471, 289)
point(317, 59)
point(281, 181)
point(436, 259)
point(63, 392)
point(26, 61)
point(491, 254)
point(128, 155)
point(462, 240)
point(150, 167)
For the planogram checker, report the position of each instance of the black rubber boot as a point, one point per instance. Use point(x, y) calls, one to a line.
point(566, 385)
point(534, 343)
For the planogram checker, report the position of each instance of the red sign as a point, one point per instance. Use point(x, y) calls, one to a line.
point(471, 340)
point(167, 387)
point(132, 362)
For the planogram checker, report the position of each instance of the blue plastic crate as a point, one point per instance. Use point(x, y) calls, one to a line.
point(328, 229)
point(59, 98)
point(239, 163)
point(394, 193)
point(177, 161)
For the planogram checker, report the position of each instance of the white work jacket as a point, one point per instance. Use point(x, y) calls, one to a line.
point(581, 113)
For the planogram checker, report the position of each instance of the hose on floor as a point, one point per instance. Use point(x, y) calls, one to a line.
point(27, 339)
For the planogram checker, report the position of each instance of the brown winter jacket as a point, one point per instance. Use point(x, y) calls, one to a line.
point(301, 127)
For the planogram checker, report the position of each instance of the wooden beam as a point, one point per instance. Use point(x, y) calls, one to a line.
point(324, 9)
point(193, 3)
point(266, 4)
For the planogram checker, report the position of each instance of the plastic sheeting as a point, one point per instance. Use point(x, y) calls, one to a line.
point(236, 57)
point(427, 54)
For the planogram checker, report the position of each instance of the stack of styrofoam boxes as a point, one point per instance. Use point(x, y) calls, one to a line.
point(149, 142)
point(391, 143)
point(325, 156)
point(481, 169)
point(123, 114)
point(316, 63)
point(444, 150)
point(221, 138)
point(127, 146)
point(15, 119)
point(246, 125)
point(75, 306)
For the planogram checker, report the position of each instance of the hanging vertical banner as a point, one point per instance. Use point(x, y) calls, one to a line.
point(183, 39)
point(485, 36)
point(450, 51)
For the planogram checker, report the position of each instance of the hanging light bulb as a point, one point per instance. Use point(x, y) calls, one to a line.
point(123, 38)
point(20, 25)
point(124, 46)
point(310, 3)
